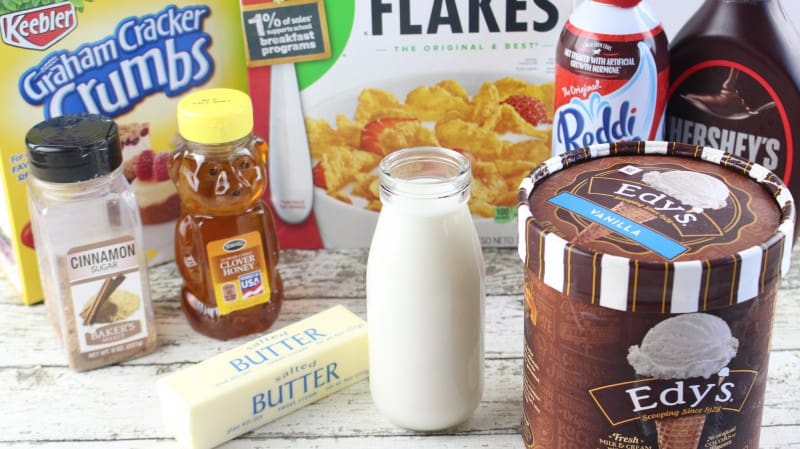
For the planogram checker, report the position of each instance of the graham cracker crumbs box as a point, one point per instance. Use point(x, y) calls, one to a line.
point(377, 76)
point(130, 61)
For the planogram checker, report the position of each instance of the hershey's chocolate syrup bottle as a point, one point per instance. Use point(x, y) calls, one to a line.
point(735, 84)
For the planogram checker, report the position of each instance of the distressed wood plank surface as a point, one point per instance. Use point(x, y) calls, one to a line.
point(116, 407)
point(771, 438)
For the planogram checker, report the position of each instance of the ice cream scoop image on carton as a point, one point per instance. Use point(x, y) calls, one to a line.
point(689, 345)
point(699, 190)
point(651, 270)
point(684, 346)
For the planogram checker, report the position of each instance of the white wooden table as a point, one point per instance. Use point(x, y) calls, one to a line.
point(44, 405)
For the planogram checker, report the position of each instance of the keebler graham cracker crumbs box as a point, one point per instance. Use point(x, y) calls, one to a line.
point(130, 61)
point(376, 76)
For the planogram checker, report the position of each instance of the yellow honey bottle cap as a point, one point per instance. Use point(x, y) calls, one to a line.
point(214, 116)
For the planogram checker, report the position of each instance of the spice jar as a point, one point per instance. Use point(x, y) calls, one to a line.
point(425, 292)
point(88, 236)
point(226, 247)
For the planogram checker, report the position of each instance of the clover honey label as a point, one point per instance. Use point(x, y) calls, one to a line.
point(238, 272)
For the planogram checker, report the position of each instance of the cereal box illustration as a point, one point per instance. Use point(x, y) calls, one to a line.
point(340, 84)
point(130, 61)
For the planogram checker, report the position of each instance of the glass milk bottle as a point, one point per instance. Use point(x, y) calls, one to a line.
point(425, 292)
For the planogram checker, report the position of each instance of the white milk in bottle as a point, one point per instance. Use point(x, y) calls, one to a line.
point(425, 292)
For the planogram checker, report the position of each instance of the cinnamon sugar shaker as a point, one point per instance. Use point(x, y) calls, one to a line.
point(88, 238)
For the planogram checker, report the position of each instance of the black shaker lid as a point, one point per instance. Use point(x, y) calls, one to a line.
point(73, 148)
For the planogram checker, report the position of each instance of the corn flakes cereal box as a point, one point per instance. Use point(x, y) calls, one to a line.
point(339, 84)
point(130, 61)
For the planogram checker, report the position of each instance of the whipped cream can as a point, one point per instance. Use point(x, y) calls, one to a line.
point(612, 73)
point(651, 277)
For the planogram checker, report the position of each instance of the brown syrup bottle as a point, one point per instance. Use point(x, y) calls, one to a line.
point(226, 247)
point(735, 84)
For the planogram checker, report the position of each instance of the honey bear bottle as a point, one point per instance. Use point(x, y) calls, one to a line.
point(226, 247)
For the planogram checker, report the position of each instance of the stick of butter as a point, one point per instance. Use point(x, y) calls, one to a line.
point(237, 391)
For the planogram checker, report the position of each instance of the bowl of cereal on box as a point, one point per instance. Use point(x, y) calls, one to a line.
point(502, 124)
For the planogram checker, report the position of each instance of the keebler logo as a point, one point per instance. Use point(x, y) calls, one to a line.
point(38, 28)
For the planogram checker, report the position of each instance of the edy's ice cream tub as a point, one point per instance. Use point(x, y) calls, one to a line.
point(651, 276)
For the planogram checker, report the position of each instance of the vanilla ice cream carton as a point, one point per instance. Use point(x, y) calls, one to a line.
point(338, 85)
point(652, 271)
point(130, 61)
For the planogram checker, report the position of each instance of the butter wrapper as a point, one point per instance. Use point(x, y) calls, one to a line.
point(237, 391)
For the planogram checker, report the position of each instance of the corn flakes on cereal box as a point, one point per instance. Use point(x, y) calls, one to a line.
point(377, 76)
point(130, 61)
